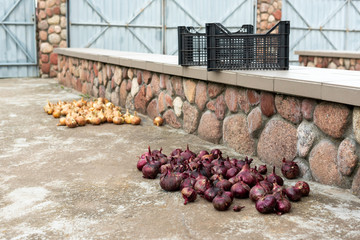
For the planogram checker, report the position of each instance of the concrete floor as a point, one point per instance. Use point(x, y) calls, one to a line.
point(82, 183)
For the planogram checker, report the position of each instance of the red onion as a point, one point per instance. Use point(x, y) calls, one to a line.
point(176, 152)
point(293, 194)
point(223, 184)
point(164, 168)
point(303, 187)
point(202, 153)
point(266, 204)
point(229, 194)
point(278, 191)
point(187, 154)
point(240, 190)
point(282, 206)
point(231, 172)
point(188, 182)
point(216, 153)
point(151, 169)
point(246, 175)
point(233, 180)
point(257, 192)
point(221, 202)
point(141, 163)
point(290, 169)
point(237, 208)
point(143, 159)
point(266, 185)
point(205, 169)
point(170, 182)
point(220, 169)
point(257, 175)
point(262, 169)
point(210, 193)
point(273, 177)
point(201, 186)
point(188, 194)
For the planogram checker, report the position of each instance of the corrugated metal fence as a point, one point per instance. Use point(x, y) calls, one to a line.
point(17, 39)
point(149, 25)
point(322, 25)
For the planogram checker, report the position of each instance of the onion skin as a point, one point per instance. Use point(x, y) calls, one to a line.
point(266, 204)
point(303, 187)
point(290, 169)
point(189, 194)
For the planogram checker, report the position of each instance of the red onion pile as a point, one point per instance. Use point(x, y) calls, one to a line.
point(219, 180)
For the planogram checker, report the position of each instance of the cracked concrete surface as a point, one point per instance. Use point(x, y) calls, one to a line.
point(82, 183)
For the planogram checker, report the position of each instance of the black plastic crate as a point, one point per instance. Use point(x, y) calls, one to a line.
point(193, 44)
point(237, 51)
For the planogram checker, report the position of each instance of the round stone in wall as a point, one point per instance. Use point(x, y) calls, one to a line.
point(236, 134)
point(356, 123)
point(306, 135)
point(46, 47)
point(54, 38)
point(277, 141)
point(347, 158)
point(191, 117)
point(210, 127)
point(331, 118)
point(323, 164)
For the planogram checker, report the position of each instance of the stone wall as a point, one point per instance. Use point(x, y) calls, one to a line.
point(330, 62)
point(268, 14)
point(51, 33)
point(323, 137)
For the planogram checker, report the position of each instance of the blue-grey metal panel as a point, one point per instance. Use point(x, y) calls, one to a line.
point(148, 25)
point(18, 40)
point(322, 25)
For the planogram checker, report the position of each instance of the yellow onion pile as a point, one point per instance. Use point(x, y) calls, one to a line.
point(81, 112)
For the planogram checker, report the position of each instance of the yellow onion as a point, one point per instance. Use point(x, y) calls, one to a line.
point(127, 117)
point(118, 120)
point(135, 120)
point(109, 118)
point(56, 113)
point(95, 120)
point(70, 122)
point(80, 120)
point(62, 122)
point(158, 121)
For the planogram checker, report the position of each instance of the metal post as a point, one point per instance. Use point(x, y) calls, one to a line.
point(163, 26)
